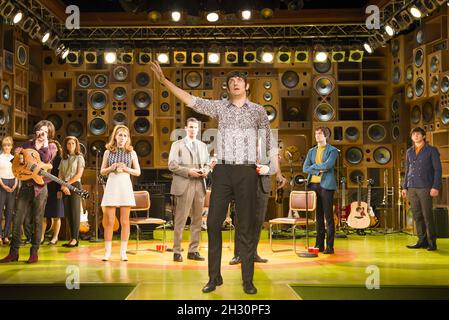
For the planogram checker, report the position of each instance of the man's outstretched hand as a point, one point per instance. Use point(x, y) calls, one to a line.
point(157, 71)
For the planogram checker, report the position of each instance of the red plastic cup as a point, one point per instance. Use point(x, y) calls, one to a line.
point(161, 247)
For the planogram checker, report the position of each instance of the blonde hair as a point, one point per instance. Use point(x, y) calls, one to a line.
point(7, 139)
point(112, 146)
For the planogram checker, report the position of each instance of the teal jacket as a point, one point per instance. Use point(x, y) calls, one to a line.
point(327, 165)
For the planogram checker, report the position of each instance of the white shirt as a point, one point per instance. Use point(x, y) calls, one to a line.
point(6, 166)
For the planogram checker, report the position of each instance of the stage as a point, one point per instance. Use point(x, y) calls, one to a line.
point(150, 275)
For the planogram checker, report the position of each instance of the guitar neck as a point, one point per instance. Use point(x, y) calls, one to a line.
point(56, 179)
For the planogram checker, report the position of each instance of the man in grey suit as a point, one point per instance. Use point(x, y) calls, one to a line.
point(189, 162)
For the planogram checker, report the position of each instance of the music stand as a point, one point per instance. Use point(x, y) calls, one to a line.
point(97, 177)
point(307, 254)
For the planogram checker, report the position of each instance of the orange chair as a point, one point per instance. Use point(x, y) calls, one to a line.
point(143, 204)
point(297, 203)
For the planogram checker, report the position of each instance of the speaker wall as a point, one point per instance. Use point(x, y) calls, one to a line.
point(75, 124)
point(144, 151)
point(400, 125)
point(295, 83)
point(163, 130)
point(324, 98)
point(142, 112)
point(22, 55)
point(164, 102)
point(292, 147)
point(420, 75)
point(343, 132)
point(437, 63)
point(397, 60)
point(376, 132)
point(266, 93)
point(120, 95)
point(98, 113)
point(197, 79)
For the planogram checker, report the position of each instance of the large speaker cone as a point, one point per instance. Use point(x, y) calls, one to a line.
point(445, 116)
point(382, 155)
point(324, 112)
point(22, 56)
point(75, 128)
point(267, 96)
point(142, 100)
point(119, 118)
point(396, 132)
point(419, 58)
point(101, 80)
point(84, 80)
point(141, 125)
point(267, 85)
point(6, 92)
point(396, 75)
point(98, 146)
point(193, 79)
point(419, 87)
point(165, 107)
point(62, 94)
point(352, 133)
point(97, 126)
point(434, 62)
point(427, 112)
point(119, 93)
point(415, 115)
point(395, 106)
point(434, 84)
point(322, 67)
point(290, 79)
point(324, 86)
point(143, 79)
point(56, 120)
point(409, 73)
point(271, 112)
point(420, 37)
point(143, 148)
point(120, 73)
point(354, 155)
point(98, 100)
point(445, 84)
point(356, 174)
point(376, 132)
point(4, 116)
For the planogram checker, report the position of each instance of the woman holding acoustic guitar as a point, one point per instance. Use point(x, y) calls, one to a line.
point(119, 163)
point(71, 170)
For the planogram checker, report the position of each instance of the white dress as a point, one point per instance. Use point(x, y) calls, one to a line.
point(119, 189)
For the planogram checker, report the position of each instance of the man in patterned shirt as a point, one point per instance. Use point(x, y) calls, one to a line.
point(243, 128)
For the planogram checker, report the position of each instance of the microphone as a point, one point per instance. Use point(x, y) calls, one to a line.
point(289, 154)
point(338, 150)
point(95, 149)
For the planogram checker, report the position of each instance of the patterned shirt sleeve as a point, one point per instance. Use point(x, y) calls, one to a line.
point(206, 106)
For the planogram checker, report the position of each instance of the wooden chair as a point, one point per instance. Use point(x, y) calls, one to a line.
point(143, 204)
point(297, 202)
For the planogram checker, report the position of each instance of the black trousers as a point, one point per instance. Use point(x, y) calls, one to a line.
point(261, 210)
point(7, 201)
point(324, 210)
point(72, 207)
point(421, 205)
point(237, 182)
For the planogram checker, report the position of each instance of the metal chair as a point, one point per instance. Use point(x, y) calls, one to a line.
point(297, 202)
point(143, 204)
point(228, 219)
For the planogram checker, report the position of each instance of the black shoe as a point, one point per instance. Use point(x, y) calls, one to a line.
point(72, 245)
point(418, 245)
point(212, 284)
point(235, 260)
point(195, 256)
point(177, 257)
point(259, 259)
point(249, 288)
point(432, 246)
point(320, 249)
point(328, 251)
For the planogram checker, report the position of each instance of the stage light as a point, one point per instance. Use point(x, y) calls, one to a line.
point(416, 13)
point(45, 37)
point(284, 55)
point(267, 13)
point(338, 54)
point(213, 57)
point(65, 53)
point(389, 30)
point(110, 57)
point(368, 47)
point(180, 56)
point(246, 14)
point(154, 16)
point(212, 17)
point(267, 57)
point(301, 55)
point(176, 16)
point(163, 58)
point(355, 56)
point(320, 56)
point(17, 17)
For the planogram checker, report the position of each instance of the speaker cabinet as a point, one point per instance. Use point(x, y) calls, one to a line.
point(51, 62)
point(57, 94)
point(80, 100)
point(98, 113)
point(67, 123)
point(321, 68)
point(164, 104)
point(142, 112)
point(5, 119)
point(195, 79)
point(409, 89)
point(343, 132)
point(7, 91)
point(428, 114)
point(420, 74)
point(95, 150)
point(416, 115)
point(144, 150)
point(8, 62)
point(21, 79)
point(398, 61)
point(162, 141)
point(351, 176)
point(443, 110)
point(437, 62)
point(378, 156)
point(324, 98)
point(295, 83)
point(142, 76)
point(120, 96)
point(376, 132)
point(120, 73)
point(292, 147)
point(400, 115)
point(267, 95)
point(22, 57)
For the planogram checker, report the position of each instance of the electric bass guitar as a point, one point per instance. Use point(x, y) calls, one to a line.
point(27, 165)
point(359, 218)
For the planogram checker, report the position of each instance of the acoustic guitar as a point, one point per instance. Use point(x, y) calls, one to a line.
point(116, 226)
point(359, 218)
point(27, 165)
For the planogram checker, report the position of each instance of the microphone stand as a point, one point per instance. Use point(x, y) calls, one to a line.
point(292, 183)
point(307, 254)
point(96, 197)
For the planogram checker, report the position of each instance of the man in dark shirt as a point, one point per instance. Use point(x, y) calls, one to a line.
point(241, 123)
point(422, 182)
point(32, 197)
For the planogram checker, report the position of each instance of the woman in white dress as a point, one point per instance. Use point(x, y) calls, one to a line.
point(119, 162)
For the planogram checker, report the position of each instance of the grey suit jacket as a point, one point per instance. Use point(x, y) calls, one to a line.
point(180, 161)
